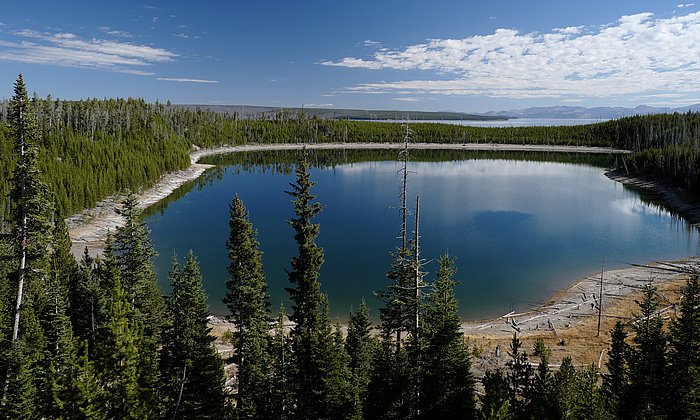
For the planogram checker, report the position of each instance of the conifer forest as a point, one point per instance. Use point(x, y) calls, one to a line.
point(96, 338)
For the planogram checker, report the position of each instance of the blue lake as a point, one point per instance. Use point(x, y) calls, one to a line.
point(519, 230)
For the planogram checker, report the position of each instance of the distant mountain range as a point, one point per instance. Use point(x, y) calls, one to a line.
point(576, 112)
point(561, 112)
point(246, 111)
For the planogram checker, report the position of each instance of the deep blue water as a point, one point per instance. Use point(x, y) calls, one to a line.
point(520, 230)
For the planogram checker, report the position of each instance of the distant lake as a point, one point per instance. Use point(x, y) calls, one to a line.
point(515, 122)
point(520, 230)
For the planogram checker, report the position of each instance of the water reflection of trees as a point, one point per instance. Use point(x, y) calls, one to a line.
point(282, 162)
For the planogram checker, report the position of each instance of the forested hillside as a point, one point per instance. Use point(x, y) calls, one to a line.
point(94, 148)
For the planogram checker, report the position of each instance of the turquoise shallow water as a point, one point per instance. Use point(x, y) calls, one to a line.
point(520, 230)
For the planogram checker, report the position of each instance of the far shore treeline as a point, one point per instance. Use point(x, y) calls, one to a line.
point(92, 149)
point(96, 339)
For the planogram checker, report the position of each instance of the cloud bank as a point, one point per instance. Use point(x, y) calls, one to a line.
point(70, 50)
point(185, 80)
point(637, 54)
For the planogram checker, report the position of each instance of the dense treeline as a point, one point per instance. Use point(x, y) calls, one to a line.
point(97, 340)
point(668, 148)
point(90, 149)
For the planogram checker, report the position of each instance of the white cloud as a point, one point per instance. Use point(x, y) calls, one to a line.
point(109, 31)
point(569, 30)
point(185, 80)
point(684, 5)
point(318, 105)
point(407, 99)
point(637, 54)
point(182, 35)
point(70, 50)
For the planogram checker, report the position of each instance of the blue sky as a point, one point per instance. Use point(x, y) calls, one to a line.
point(439, 55)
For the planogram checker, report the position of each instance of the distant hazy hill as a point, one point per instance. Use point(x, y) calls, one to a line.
point(245, 111)
point(592, 113)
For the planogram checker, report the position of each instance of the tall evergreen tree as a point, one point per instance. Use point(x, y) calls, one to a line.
point(32, 207)
point(59, 331)
point(87, 300)
point(192, 369)
point(25, 367)
point(281, 352)
point(388, 391)
point(117, 360)
point(519, 377)
point(248, 303)
point(684, 354)
point(360, 345)
point(447, 383)
point(495, 402)
point(564, 388)
point(615, 382)
point(647, 360)
point(306, 299)
point(90, 393)
point(133, 255)
point(542, 404)
point(336, 389)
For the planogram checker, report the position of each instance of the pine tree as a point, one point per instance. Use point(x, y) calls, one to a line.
point(519, 377)
point(389, 381)
point(647, 360)
point(20, 399)
point(306, 299)
point(684, 354)
point(32, 207)
point(564, 388)
point(587, 402)
point(59, 331)
point(542, 403)
point(336, 387)
point(26, 384)
point(117, 360)
point(133, 254)
point(495, 402)
point(90, 394)
point(615, 382)
point(280, 350)
point(87, 297)
point(62, 369)
point(192, 371)
point(248, 304)
point(447, 383)
point(360, 346)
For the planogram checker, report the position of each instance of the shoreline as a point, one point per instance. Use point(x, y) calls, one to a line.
point(89, 228)
point(677, 199)
point(564, 311)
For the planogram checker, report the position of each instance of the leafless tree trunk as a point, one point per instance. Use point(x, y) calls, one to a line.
point(23, 231)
